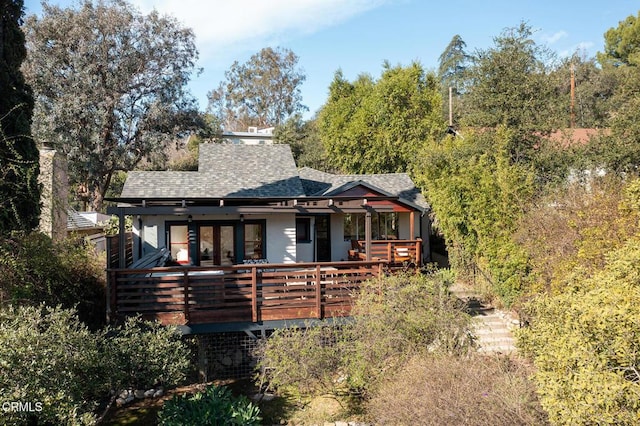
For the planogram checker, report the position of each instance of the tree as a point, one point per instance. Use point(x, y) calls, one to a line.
point(19, 191)
point(377, 126)
point(622, 44)
point(304, 139)
point(109, 84)
point(262, 92)
point(452, 69)
point(510, 85)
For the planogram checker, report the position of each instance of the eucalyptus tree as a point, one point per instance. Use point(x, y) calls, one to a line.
point(262, 92)
point(19, 193)
point(110, 87)
point(378, 126)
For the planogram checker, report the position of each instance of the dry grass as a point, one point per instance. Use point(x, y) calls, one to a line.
point(448, 390)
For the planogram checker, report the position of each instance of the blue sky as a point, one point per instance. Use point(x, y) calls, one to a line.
point(357, 36)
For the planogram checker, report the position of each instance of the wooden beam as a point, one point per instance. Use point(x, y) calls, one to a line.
point(412, 225)
point(367, 235)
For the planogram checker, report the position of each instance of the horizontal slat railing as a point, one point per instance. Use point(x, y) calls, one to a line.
point(395, 252)
point(241, 293)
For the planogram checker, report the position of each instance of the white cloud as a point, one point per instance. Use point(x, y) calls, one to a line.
point(223, 24)
point(554, 38)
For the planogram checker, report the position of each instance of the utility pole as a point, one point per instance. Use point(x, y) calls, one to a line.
point(450, 106)
point(573, 97)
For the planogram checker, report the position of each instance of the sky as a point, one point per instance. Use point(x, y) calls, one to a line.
point(357, 36)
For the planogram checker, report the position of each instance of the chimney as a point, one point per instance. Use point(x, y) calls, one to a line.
point(55, 192)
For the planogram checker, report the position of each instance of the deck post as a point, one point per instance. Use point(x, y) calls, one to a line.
point(318, 293)
point(254, 293)
point(185, 284)
point(367, 235)
point(419, 252)
point(412, 225)
point(390, 252)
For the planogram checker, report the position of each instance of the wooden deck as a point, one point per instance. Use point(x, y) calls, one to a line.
point(240, 293)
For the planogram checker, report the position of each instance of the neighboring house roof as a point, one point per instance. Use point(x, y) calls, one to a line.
point(318, 183)
point(224, 171)
point(576, 136)
point(84, 220)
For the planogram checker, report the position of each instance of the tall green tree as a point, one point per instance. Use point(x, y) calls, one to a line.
point(262, 92)
point(511, 85)
point(377, 126)
point(110, 87)
point(19, 191)
point(620, 151)
point(452, 67)
point(304, 138)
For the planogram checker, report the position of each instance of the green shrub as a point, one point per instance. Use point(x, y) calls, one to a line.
point(214, 406)
point(146, 354)
point(48, 356)
point(585, 345)
point(34, 270)
point(395, 319)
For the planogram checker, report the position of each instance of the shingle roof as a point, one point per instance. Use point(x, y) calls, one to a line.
point(224, 170)
point(319, 183)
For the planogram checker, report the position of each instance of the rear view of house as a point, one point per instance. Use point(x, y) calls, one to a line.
point(249, 202)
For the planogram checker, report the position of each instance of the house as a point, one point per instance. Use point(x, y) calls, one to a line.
point(201, 240)
point(251, 202)
point(253, 136)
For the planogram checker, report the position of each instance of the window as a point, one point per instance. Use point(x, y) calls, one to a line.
point(179, 243)
point(384, 226)
point(303, 230)
point(253, 241)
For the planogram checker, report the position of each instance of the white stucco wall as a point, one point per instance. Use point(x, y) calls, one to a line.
point(305, 251)
point(281, 238)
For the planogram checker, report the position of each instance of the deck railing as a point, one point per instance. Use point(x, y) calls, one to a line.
point(241, 293)
point(395, 252)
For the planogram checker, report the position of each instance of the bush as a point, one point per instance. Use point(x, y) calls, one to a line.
point(585, 345)
point(395, 319)
point(452, 390)
point(214, 406)
point(34, 270)
point(146, 354)
point(48, 356)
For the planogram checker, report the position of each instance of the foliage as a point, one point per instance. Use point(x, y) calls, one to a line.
point(511, 85)
point(214, 406)
point(304, 139)
point(477, 198)
point(476, 389)
point(109, 84)
point(570, 230)
point(50, 357)
point(19, 190)
point(585, 345)
point(34, 270)
point(452, 68)
point(263, 92)
point(394, 319)
point(377, 126)
point(622, 44)
point(146, 354)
